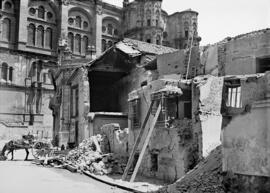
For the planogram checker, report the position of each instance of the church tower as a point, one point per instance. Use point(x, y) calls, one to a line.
point(142, 20)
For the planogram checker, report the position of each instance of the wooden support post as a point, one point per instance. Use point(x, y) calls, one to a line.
point(137, 142)
point(146, 143)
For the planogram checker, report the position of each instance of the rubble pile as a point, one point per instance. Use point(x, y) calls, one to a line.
point(205, 177)
point(88, 157)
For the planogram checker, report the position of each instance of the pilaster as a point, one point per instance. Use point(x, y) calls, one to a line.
point(22, 35)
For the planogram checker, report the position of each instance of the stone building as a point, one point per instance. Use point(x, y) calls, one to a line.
point(36, 37)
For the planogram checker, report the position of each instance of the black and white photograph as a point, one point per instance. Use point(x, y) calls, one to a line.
point(134, 96)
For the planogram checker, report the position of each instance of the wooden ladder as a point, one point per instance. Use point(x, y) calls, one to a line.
point(138, 140)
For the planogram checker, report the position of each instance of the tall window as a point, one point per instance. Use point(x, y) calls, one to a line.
point(78, 44)
point(10, 75)
point(74, 101)
point(234, 97)
point(110, 44)
point(49, 38)
point(134, 112)
point(6, 29)
point(5, 71)
point(40, 36)
point(31, 34)
point(110, 29)
point(104, 44)
point(148, 17)
point(78, 22)
point(71, 41)
point(41, 12)
point(158, 40)
point(84, 44)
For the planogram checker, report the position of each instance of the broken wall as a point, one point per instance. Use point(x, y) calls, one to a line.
point(207, 119)
point(176, 63)
point(246, 131)
point(240, 54)
point(169, 153)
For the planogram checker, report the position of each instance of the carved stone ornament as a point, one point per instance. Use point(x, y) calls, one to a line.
point(65, 2)
point(99, 9)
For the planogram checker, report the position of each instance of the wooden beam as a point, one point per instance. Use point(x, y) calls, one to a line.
point(137, 142)
point(146, 143)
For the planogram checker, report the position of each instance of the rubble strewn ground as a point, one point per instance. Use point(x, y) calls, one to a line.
point(204, 178)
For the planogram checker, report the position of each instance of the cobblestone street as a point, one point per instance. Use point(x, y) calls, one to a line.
point(19, 176)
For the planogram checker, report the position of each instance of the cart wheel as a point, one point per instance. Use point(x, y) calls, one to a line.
point(39, 150)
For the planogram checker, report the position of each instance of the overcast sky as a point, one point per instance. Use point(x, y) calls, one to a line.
point(221, 18)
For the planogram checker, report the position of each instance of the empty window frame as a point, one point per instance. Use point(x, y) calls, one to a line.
point(134, 112)
point(154, 162)
point(234, 97)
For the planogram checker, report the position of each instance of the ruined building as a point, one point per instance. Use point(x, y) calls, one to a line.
point(37, 36)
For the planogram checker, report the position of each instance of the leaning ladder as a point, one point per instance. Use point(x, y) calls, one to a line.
point(189, 55)
point(138, 140)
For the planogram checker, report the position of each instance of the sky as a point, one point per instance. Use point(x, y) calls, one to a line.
point(219, 19)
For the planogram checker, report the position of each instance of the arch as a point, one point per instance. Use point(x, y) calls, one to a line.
point(49, 35)
point(8, 6)
point(148, 38)
point(104, 45)
point(77, 43)
point(6, 29)
point(82, 11)
point(4, 73)
point(31, 36)
point(111, 25)
point(41, 12)
point(71, 41)
point(40, 36)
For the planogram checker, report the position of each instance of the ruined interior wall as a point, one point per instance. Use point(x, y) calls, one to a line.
point(173, 145)
point(209, 59)
point(176, 63)
point(81, 80)
point(207, 118)
point(241, 52)
point(131, 82)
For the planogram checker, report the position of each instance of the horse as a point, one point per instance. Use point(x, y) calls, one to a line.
point(24, 143)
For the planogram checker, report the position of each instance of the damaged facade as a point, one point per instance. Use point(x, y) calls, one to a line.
point(34, 36)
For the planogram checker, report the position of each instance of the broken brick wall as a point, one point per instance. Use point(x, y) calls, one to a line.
point(239, 55)
point(206, 108)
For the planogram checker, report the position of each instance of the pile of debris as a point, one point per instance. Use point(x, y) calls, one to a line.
point(205, 177)
point(87, 157)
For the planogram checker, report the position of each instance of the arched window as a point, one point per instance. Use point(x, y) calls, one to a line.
point(84, 45)
point(40, 36)
point(8, 6)
point(48, 42)
point(78, 43)
point(4, 71)
point(104, 45)
point(78, 22)
point(71, 41)
point(41, 12)
point(148, 38)
point(6, 29)
point(110, 29)
point(31, 34)
point(10, 75)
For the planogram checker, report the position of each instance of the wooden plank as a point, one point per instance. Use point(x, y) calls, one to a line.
point(146, 143)
point(137, 142)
